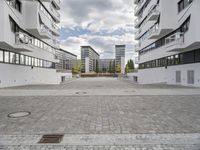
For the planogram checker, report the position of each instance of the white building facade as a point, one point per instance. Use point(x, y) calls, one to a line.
point(168, 41)
point(28, 40)
point(89, 58)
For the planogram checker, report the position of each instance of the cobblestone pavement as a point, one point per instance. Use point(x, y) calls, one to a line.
point(144, 122)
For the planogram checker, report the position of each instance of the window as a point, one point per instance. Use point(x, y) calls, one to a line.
point(32, 61)
point(6, 57)
point(12, 57)
point(187, 57)
point(22, 60)
point(1, 56)
point(197, 56)
point(29, 60)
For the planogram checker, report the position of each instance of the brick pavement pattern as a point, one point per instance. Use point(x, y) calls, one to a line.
point(82, 114)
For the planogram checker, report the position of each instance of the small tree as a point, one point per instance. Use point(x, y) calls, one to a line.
point(97, 67)
point(76, 69)
point(127, 68)
point(130, 66)
point(118, 69)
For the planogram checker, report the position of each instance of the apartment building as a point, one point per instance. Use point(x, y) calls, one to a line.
point(66, 60)
point(168, 41)
point(28, 41)
point(89, 58)
point(120, 57)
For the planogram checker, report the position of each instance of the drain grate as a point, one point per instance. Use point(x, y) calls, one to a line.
point(51, 138)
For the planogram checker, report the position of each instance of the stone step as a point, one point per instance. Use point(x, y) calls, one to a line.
point(104, 142)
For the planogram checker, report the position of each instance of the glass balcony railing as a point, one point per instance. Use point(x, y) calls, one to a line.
point(57, 14)
point(22, 38)
point(177, 38)
point(138, 6)
point(45, 29)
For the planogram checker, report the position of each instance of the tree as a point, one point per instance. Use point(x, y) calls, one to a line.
point(110, 67)
point(76, 69)
point(118, 69)
point(130, 66)
point(97, 67)
point(127, 70)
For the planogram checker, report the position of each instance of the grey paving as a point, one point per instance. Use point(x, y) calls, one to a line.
point(102, 108)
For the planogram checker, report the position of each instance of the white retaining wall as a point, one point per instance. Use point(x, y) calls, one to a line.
point(16, 75)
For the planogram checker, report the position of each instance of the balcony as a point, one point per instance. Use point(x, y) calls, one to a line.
point(45, 32)
point(153, 13)
point(55, 29)
point(23, 42)
point(55, 14)
point(137, 47)
point(57, 4)
point(56, 43)
point(26, 42)
point(138, 7)
point(154, 31)
point(137, 34)
point(138, 21)
point(174, 42)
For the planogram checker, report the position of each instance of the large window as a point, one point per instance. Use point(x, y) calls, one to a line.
point(6, 57)
point(16, 58)
point(178, 59)
point(197, 56)
point(187, 57)
point(22, 60)
point(1, 56)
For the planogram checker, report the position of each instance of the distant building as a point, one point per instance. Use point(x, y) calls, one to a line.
point(66, 60)
point(120, 57)
point(107, 65)
point(89, 59)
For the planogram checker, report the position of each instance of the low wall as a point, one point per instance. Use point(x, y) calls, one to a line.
point(16, 75)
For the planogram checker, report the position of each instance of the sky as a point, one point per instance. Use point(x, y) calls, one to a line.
point(101, 24)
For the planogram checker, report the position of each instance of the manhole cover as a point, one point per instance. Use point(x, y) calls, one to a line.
point(51, 138)
point(19, 114)
point(81, 93)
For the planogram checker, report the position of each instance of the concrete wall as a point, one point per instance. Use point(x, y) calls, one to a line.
point(163, 75)
point(122, 65)
point(87, 65)
point(15, 75)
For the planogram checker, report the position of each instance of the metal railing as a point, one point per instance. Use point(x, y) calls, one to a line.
point(22, 38)
point(177, 38)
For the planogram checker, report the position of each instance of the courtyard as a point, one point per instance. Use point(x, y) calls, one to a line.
point(101, 113)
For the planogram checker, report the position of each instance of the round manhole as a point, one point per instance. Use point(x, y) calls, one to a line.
point(19, 114)
point(80, 93)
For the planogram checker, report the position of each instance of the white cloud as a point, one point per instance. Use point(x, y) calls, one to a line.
point(110, 23)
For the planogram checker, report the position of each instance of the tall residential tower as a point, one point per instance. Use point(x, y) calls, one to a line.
point(120, 57)
point(168, 41)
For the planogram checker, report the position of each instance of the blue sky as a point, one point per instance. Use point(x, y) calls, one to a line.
point(99, 23)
